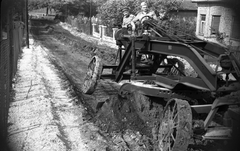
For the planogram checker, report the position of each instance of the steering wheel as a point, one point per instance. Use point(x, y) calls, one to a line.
point(143, 26)
point(148, 17)
point(129, 27)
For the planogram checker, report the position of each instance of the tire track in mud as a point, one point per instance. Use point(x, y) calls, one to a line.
point(49, 83)
point(75, 75)
point(63, 119)
point(62, 136)
point(103, 92)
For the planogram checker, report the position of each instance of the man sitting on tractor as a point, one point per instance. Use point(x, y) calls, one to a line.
point(127, 18)
point(143, 15)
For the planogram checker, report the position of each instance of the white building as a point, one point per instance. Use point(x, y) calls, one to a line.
point(217, 22)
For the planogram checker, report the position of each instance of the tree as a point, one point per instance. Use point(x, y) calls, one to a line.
point(72, 7)
point(110, 12)
point(37, 4)
point(67, 7)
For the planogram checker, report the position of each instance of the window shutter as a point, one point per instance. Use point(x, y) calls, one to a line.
point(235, 29)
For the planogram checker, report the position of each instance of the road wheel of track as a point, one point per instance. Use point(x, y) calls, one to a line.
point(176, 126)
point(93, 74)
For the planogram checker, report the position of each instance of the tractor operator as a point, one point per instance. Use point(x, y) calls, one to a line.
point(127, 18)
point(143, 15)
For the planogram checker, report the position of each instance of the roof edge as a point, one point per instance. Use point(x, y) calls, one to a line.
point(206, 1)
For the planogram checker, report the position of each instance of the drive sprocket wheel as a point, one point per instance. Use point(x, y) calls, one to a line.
point(176, 126)
point(93, 74)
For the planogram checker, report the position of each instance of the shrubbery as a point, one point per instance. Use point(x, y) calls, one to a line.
point(110, 12)
point(179, 26)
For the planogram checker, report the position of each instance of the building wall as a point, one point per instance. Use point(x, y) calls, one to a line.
point(225, 24)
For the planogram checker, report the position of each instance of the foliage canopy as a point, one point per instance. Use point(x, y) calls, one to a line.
point(110, 12)
point(67, 7)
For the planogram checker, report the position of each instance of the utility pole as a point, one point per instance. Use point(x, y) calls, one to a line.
point(1, 26)
point(26, 17)
point(90, 16)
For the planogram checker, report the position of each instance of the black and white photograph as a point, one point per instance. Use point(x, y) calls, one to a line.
point(120, 75)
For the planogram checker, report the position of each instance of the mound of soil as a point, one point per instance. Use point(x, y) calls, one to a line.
point(135, 112)
point(119, 113)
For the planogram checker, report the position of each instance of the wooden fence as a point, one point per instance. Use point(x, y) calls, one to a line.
point(11, 45)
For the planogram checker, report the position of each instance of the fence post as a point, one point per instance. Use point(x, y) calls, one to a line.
point(93, 28)
point(100, 31)
point(114, 31)
point(76, 23)
point(104, 30)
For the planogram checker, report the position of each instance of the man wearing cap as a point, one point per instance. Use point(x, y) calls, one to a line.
point(144, 12)
point(127, 17)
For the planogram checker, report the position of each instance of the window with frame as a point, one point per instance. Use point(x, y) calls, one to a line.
point(235, 31)
point(202, 24)
point(215, 24)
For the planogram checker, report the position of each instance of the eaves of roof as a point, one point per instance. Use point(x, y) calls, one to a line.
point(206, 1)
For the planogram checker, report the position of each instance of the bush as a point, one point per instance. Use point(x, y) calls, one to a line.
point(179, 26)
point(110, 12)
